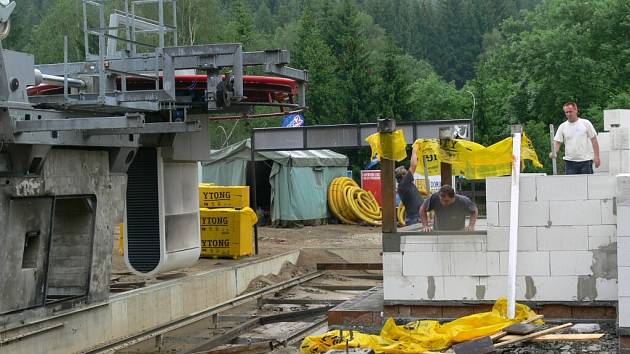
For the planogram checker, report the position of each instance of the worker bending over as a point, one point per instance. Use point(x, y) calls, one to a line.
point(450, 211)
point(407, 191)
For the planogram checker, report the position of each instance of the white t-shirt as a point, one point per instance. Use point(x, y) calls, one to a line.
point(576, 137)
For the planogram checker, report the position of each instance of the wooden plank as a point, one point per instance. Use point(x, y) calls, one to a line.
point(341, 287)
point(568, 337)
point(275, 301)
point(349, 266)
point(533, 335)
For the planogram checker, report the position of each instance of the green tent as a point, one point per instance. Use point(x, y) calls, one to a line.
point(292, 185)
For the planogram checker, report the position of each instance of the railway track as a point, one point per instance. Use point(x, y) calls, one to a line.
point(222, 328)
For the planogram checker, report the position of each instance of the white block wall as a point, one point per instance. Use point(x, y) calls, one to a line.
point(623, 248)
point(566, 225)
point(619, 117)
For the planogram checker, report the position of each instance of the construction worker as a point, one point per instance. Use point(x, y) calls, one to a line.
point(450, 211)
point(407, 191)
point(581, 149)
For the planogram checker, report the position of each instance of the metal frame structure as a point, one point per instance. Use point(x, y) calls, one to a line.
point(82, 140)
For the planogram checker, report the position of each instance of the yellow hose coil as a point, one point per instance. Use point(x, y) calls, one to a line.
point(350, 204)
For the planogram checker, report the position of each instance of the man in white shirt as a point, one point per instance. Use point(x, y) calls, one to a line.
point(581, 149)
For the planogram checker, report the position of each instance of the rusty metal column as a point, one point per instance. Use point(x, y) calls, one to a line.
point(388, 197)
point(446, 169)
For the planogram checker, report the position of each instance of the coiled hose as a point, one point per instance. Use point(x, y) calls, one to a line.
point(350, 204)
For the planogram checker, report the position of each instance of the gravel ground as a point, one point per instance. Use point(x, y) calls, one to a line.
point(606, 345)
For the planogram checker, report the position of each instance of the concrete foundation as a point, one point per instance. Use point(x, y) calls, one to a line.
point(130, 313)
point(60, 228)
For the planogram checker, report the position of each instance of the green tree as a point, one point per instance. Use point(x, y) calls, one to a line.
point(313, 54)
point(46, 38)
point(349, 46)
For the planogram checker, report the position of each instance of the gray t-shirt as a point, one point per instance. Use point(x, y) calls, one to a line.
point(410, 197)
point(452, 217)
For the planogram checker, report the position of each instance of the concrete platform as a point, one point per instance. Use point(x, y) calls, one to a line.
point(126, 314)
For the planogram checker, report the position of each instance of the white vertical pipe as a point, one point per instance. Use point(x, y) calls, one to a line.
point(514, 201)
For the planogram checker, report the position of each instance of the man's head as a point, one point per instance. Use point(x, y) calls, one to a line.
point(400, 172)
point(447, 195)
point(570, 111)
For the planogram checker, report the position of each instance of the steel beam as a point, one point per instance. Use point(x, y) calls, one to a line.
point(285, 71)
point(195, 58)
point(341, 135)
point(128, 121)
point(151, 128)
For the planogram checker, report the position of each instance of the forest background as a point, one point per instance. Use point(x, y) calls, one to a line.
point(500, 62)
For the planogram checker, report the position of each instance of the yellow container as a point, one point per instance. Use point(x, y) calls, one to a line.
point(227, 232)
point(211, 196)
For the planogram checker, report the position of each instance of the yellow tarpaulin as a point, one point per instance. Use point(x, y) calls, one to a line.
point(391, 146)
point(420, 336)
point(472, 160)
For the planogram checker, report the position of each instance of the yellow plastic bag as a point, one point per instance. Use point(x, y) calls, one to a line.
point(472, 160)
point(421, 336)
point(391, 146)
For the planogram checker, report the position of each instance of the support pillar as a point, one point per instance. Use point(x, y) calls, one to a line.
point(391, 242)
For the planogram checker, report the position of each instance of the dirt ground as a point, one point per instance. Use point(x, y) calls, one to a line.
point(271, 241)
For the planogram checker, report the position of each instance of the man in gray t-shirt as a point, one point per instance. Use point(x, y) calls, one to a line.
point(407, 191)
point(450, 211)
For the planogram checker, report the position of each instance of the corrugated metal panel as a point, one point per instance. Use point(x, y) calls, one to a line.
point(143, 219)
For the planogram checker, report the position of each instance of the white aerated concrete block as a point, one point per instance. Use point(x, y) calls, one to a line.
point(392, 263)
point(619, 161)
point(622, 189)
point(496, 287)
point(624, 281)
point(417, 247)
point(575, 212)
point(623, 252)
point(606, 289)
point(620, 117)
point(529, 213)
point(601, 186)
point(609, 231)
point(623, 221)
point(562, 187)
point(427, 239)
point(499, 237)
point(460, 288)
point(623, 309)
point(469, 263)
point(412, 288)
point(492, 213)
point(595, 243)
point(528, 263)
point(493, 263)
point(571, 262)
point(619, 138)
point(563, 238)
point(604, 167)
point(426, 263)
point(555, 288)
point(603, 139)
point(499, 189)
point(608, 211)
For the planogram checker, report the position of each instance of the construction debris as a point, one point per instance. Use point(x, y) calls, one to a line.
point(585, 328)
